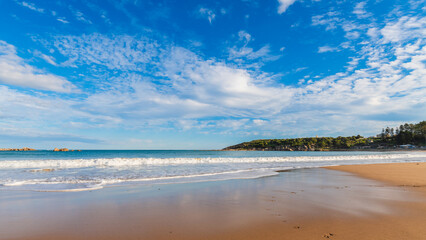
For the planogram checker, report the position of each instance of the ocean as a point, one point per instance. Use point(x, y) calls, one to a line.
point(96, 169)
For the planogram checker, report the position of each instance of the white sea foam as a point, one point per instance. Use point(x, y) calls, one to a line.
point(91, 174)
point(75, 185)
point(132, 162)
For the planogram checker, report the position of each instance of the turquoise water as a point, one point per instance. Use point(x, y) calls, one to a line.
point(95, 169)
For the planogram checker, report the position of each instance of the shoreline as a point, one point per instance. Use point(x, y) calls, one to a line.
point(250, 173)
point(316, 203)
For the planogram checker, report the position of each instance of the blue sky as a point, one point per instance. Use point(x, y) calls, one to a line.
point(137, 74)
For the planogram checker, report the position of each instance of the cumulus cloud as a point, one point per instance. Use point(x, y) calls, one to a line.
point(284, 5)
point(14, 71)
point(403, 29)
point(218, 84)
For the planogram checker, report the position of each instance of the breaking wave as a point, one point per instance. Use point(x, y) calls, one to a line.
point(132, 162)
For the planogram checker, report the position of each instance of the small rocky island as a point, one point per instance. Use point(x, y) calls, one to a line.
point(64, 150)
point(31, 149)
point(17, 149)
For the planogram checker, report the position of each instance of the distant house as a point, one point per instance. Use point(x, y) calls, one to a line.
point(407, 146)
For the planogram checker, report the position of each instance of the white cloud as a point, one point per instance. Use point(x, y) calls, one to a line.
point(373, 32)
point(392, 88)
point(250, 54)
point(187, 86)
point(330, 20)
point(260, 122)
point(334, 20)
point(48, 59)
point(324, 49)
point(33, 118)
point(14, 71)
point(242, 54)
point(405, 28)
point(360, 11)
point(62, 20)
point(32, 6)
point(207, 13)
point(80, 17)
point(23, 107)
point(120, 52)
point(183, 88)
point(142, 83)
point(215, 84)
point(244, 36)
point(284, 5)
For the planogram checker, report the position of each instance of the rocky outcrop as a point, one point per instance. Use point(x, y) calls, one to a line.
point(61, 150)
point(17, 149)
point(65, 150)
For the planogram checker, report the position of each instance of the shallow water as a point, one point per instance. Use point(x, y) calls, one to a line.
point(95, 169)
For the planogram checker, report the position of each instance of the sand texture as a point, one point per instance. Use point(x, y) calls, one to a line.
point(399, 174)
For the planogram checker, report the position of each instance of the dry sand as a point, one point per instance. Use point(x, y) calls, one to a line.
point(399, 174)
point(302, 204)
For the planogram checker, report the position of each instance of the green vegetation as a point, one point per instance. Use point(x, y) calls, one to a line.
point(413, 134)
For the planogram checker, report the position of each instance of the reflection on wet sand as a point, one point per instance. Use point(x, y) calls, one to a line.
point(258, 208)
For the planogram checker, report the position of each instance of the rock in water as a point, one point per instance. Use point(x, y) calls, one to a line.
point(61, 150)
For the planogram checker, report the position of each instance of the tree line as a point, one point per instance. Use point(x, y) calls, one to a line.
point(408, 133)
point(414, 134)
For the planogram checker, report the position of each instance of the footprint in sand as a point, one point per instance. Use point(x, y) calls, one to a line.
point(329, 235)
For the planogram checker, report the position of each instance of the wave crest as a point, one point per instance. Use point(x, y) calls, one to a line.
point(131, 162)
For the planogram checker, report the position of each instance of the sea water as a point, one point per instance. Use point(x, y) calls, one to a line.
point(95, 169)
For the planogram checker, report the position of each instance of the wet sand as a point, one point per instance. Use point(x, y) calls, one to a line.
point(301, 204)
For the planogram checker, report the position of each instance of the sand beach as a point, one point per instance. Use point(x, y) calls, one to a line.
point(376, 201)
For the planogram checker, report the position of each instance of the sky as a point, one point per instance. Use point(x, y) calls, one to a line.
point(169, 74)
